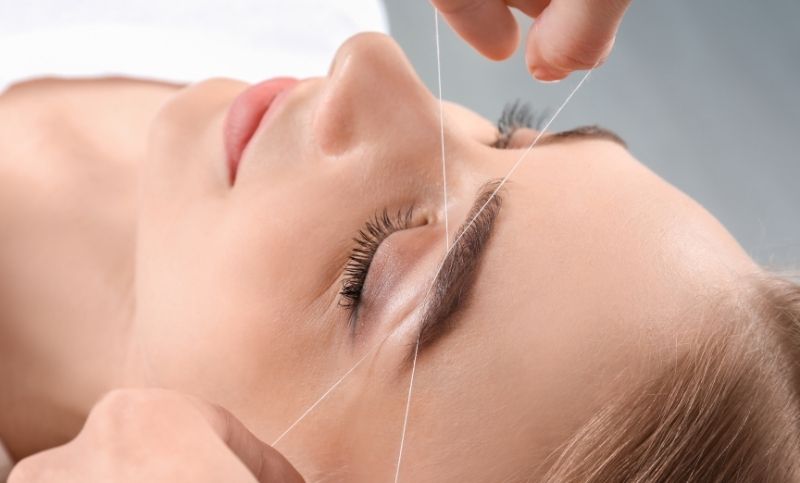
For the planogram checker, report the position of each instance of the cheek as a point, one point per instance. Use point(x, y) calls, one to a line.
point(227, 313)
point(231, 334)
point(186, 156)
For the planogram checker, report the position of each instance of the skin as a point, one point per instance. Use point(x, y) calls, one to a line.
point(596, 277)
point(567, 35)
point(168, 430)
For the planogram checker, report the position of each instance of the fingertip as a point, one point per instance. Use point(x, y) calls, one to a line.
point(538, 66)
point(546, 75)
point(489, 27)
point(497, 48)
point(502, 49)
point(560, 43)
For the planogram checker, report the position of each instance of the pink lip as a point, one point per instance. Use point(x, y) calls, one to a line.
point(247, 112)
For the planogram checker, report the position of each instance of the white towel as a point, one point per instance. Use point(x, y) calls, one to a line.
point(178, 40)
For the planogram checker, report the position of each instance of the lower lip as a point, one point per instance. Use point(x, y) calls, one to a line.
point(250, 109)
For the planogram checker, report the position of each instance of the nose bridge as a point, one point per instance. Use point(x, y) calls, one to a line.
point(372, 91)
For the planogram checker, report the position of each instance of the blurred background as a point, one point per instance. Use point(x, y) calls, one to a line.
point(705, 93)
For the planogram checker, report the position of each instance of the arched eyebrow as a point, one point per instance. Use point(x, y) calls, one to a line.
point(451, 288)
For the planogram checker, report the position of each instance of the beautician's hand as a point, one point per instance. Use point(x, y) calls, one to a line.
point(158, 436)
point(567, 35)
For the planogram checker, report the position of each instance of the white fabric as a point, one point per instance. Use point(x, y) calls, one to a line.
point(178, 40)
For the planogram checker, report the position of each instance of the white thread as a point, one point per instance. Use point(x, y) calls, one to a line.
point(441, 130)
point(438, 270)
point(455, 242)
point(518, 162)
point(324, 395)
point(405, 418)
point(446, 240)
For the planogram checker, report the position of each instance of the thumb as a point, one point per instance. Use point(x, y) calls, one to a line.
point(571, 35)
point(263, 461)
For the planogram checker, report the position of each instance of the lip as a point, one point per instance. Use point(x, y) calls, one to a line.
point(247, 112)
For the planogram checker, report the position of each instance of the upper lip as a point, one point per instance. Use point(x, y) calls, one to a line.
point(246, 114)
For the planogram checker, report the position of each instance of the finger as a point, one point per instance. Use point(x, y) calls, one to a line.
point(571, 35)
point(41, 467)
point(487, 25)
point(129, 421)
point(531, 8)
point(266, 463)
point(29, 470)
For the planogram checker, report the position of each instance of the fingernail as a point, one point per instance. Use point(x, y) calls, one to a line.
point(545, 75)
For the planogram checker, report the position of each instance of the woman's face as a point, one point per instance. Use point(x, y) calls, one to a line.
point(588, 282)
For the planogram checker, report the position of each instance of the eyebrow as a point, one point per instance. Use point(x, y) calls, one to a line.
point(451, 288)
point(583, 133)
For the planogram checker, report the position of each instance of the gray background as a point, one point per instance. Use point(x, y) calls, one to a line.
point(704, 92)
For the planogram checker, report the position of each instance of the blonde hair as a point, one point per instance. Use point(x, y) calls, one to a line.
point(729, 410)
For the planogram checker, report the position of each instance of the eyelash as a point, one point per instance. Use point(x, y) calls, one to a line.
point(516, 115)
point(369, 238)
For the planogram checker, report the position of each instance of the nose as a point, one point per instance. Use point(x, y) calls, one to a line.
point(372, 88)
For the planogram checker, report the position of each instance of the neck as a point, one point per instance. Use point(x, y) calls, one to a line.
point(56, 362)
point(68, 212)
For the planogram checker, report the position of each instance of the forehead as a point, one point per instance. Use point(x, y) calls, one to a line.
point(588, 230)
point(594, 274)
point(576, 241)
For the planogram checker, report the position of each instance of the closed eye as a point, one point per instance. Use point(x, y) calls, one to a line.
point(515, 115)
point(518, 115)
point(367, 242)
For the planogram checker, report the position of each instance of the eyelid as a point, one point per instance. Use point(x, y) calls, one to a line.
point(517, 140)
point(579, 133)
point(515, 115)
point(504, 139)
point(366, 243)
point(589, 132)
